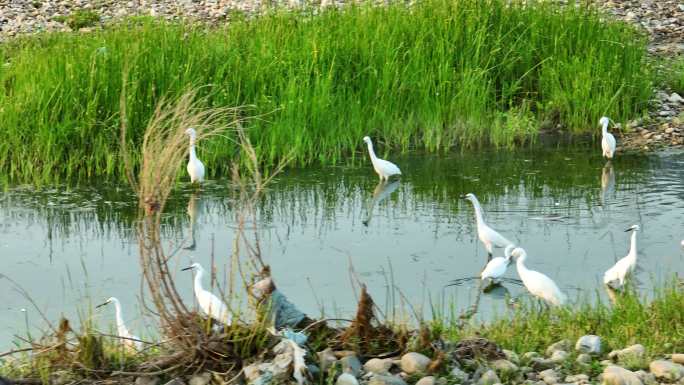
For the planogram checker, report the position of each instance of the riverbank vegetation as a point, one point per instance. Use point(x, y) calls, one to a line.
point(655, 322)
point(433, 75)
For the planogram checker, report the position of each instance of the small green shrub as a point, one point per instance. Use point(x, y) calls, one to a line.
point(79, 19)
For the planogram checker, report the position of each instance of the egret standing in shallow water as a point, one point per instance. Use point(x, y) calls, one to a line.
point(496, 268)
point(195, 166)
point(537, 283)
point(624, 266)
point(489, 237)
point(127, 339)
point(385, 169)
point(210, 304)
point(607, 140)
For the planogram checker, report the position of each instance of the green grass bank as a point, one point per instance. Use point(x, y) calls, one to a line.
point(437, 74)
point(655, 321)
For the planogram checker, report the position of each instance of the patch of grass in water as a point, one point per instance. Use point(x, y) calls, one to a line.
point(435, 75)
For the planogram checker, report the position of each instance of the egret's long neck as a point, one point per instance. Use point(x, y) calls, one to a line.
point(120, 326)
point(633, 247)
point(478, 212)
point(604, 128)
point(198, 280)
point(193, 155)
point(520, 263)
point(371, 152)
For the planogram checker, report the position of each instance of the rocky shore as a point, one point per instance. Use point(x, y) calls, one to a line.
point(470, 361)
point(663, 21)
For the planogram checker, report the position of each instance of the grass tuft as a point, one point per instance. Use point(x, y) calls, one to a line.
point(656, 323)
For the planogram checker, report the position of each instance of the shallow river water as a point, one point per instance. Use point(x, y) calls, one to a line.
point(70, 247)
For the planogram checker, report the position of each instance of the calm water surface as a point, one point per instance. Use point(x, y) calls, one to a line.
point(69, 247)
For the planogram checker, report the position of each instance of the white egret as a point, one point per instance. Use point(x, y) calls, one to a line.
point(385, 169)
point(625, 265)
point(608, 140)
point(489, 237)
point(496, 268)
point(127, 339)
point(195, 166)
point(537, 283)
point(210, 304)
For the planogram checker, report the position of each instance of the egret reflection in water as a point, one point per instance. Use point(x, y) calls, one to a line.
point(497, 291)
point(381, 192)
point(607, 182)
point(194, 208)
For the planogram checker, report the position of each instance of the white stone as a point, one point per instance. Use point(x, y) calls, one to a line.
point(504, 366)
point(666, 370)
point(429, 380)
point(346, 379)
point(675, 98)
point(636, 351)
point(251, 372)
point(549, 376)
point(615, 375)
point(414, 363)
point(589, 344)
point(377, 366)
point(646, 378)
point(386, 380)
point(678, 358)
point(488, 378)
point(559, 356)
point(577, 378)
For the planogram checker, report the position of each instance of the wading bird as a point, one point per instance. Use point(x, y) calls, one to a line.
point(210, 304)
point(195, 166)
point(385, 169)
point(608, 140)
point(624, 266)
point(127, 339)
point(489, 237)
point(496, 268)
point(537, 283)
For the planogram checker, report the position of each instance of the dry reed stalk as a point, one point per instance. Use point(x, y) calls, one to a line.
point(164, 149)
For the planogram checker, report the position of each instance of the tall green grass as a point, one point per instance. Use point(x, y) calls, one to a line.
point(434, 75)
